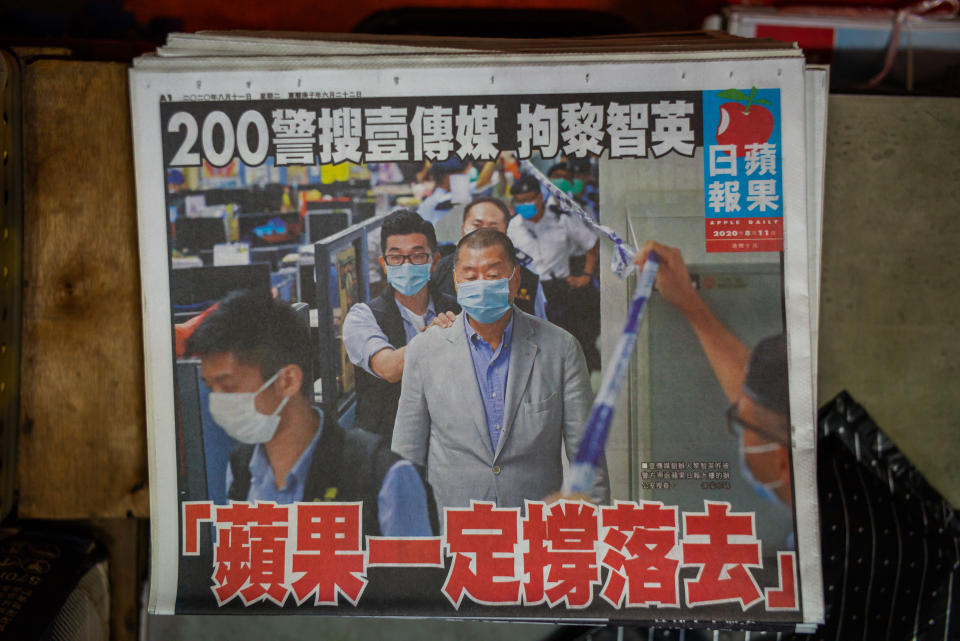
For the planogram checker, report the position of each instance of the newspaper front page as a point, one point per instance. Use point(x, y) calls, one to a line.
point(262, 196)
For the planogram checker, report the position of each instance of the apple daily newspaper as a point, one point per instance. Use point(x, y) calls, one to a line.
point(277, 176)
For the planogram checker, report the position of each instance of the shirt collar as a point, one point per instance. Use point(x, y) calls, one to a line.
point(260, 465)
point(473, 336)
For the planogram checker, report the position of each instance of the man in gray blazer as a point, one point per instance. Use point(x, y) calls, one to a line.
point(487, 403)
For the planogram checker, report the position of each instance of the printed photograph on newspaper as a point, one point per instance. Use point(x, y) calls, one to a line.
point(516, 342)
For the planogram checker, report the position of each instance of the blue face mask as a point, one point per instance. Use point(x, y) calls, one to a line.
point(526, 210)
point(485, 301)
point(408, 279)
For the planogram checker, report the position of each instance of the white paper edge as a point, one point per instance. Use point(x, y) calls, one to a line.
point(387, 81)
point(802, 392)
point(817, 87)
point(157, 347)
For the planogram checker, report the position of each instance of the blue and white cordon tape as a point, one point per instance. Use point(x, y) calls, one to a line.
point(594, 439)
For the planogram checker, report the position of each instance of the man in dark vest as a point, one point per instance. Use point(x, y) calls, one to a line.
point(375, 335)
point(493, 213)
point(254, 351)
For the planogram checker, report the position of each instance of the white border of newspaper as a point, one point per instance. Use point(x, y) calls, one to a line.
point(493, 75)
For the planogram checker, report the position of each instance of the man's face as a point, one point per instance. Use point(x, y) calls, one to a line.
point(410, 248)
point(489, 263)
point(530, 197)
point(771, 464)
point(222, 372)
point(484, 215)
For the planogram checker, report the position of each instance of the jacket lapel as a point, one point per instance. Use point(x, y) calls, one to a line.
point(462, 380)
point(523, 352)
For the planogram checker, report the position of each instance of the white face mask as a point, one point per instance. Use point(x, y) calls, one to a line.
point(237, 414)
point(766, 490)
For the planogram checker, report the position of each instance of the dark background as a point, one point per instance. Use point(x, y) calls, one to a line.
point(122, 29)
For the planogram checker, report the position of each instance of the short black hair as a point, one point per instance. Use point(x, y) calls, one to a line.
point(487, 237)
point(443, 168)
point(525, 184)
point(560, 166)
point(406, 221)
point(258, 330)
point(581, 166)
point(502, 206)
point(766, 379)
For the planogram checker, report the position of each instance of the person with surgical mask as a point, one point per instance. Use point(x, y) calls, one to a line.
point(375, 334)
point(490, 404)
point(561, 176)
point(255, 355)
point(760, 418)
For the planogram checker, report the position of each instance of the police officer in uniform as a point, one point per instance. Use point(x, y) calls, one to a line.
point(564, 253)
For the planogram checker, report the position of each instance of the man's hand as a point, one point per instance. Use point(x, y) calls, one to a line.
point(443, 319)
point(673, 279)
point(576, 282)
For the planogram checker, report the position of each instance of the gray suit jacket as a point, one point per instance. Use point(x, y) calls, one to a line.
point(441, 423)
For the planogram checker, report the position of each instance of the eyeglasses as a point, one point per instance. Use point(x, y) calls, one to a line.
point(737, 425)
point(420, 258)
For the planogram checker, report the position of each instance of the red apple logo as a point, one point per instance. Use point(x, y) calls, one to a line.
point(744, 122)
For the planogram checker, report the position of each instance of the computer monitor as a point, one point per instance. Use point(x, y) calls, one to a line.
point(321, 224)
point(341, 280)
point(192, 235)
point(193, 289)
point(224, 196)
point(364, 208)
point(264, 229)
point(203, 449)
point(328, 204)
point(191, 457)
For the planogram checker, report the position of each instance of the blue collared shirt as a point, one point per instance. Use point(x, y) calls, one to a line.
point(401, 501)
point(263, 485)
point(491, 369)
point(363, 337)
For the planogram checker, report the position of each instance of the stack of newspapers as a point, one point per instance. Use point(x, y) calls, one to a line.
point(268, 161)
